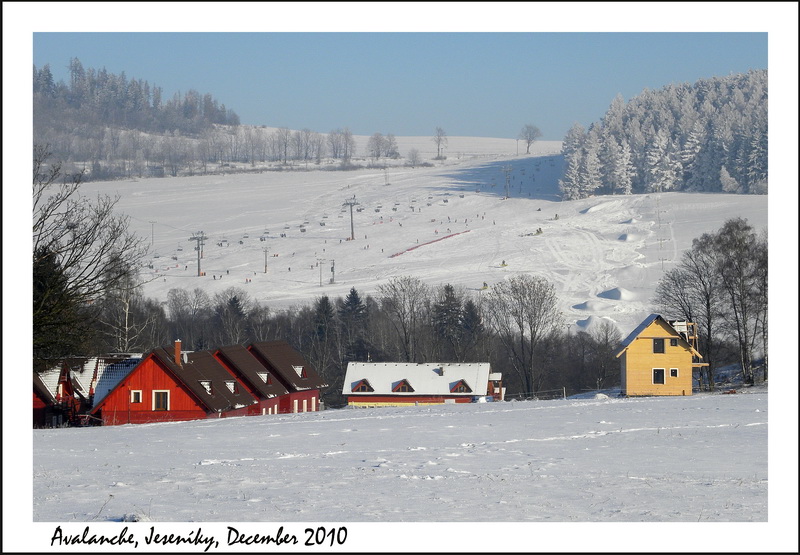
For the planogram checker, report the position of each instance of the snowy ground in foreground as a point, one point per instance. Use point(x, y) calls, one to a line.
point(692, 459)
point(607, 459)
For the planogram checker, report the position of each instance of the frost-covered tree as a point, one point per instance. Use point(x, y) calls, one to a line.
point(570, 182)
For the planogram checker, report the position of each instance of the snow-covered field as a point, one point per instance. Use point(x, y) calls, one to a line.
point(695, 459)
point(444, 224)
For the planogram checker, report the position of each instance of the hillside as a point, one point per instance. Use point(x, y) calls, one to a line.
point(448, 223)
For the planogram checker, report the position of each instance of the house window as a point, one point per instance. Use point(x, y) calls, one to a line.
point(658, 345)
point(673, 342)
point(232, 386)
point(136, 396)
point(300, 371)
point(658, 375)
point(265, 377)
point(160, 400)
point(673, 372)
point(207, 385)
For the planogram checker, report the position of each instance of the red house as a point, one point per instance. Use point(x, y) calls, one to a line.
point(293, 371)
point(167, 385)
point(59, 397)
point(43, 404)
point(171, 386)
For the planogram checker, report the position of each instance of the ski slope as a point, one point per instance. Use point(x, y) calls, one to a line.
point(449, 223)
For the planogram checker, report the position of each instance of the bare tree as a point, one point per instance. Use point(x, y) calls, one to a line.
point(404, 298)
point(523, 311)
point(440, 138)
point(529, 134)
point(737, 264)
point(81, 251)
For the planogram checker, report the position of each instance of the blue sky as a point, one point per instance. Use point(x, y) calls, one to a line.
point(470, 84)
point(474, 69)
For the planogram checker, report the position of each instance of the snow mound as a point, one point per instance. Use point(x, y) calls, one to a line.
point(600, 396)
point(601, 206)
point(588, 305)
point(630, 221)
point(628, 237)
point(586, 322)
point(618, 294)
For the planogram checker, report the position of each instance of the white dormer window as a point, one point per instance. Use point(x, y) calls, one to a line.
point(264, 376)
point(300, 371)
point(207, 385)
point(231, 385)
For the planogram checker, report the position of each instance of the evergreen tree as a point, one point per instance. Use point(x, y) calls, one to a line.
point(447, 318)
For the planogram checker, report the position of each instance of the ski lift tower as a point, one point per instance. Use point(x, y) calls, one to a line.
point(351, 202)
point(507, 171)
point(200, 237)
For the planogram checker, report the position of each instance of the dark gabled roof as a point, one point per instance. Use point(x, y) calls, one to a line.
point(202, 366)
point(281, 358)
point(243, 362)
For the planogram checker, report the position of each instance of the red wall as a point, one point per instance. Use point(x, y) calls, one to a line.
point(406, 399)
point(287, 401)
point(39, 411)
point(147, 377)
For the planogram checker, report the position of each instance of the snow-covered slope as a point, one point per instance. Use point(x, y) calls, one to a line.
point(449, 223)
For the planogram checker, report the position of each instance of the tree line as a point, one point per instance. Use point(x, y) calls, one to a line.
point(710, 136)
point(108, 126)
point(721, 285)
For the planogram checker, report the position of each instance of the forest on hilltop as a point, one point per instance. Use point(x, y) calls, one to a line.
point(710, 136)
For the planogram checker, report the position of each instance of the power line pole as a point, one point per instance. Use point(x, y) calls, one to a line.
point(200, 237)
point(333, 273)
point(266, 250)
point(351, 202)
point(152, 232)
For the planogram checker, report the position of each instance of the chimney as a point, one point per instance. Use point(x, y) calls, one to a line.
point(178, 352)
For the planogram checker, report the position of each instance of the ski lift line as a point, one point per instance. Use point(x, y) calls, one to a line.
point(160, 223)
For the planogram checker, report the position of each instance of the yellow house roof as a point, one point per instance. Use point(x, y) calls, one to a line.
point(644, 325)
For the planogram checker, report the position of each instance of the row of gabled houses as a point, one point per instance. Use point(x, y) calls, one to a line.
point(167, 384)
point(657, 358)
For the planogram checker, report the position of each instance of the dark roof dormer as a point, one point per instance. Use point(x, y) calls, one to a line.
point(362, 386)
point(460, 387)
point(402, 386)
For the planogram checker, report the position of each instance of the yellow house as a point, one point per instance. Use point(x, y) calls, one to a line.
point(658, 357)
